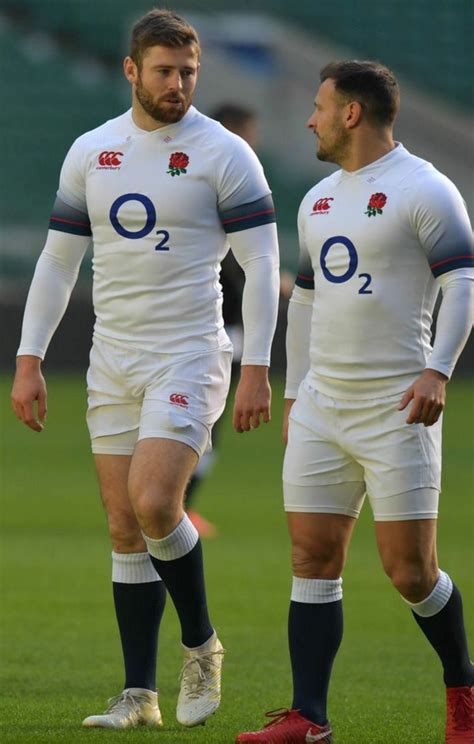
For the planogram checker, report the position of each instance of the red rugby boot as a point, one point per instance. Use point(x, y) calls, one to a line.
point(460, 715)
point(288, 727)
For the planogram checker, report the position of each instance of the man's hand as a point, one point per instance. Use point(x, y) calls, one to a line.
point(252, 399)
point(428, 394)
point(29, 386)
point(286, 412)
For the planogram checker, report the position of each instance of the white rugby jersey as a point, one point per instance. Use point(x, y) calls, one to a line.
point(372, 243)
point(159, 206)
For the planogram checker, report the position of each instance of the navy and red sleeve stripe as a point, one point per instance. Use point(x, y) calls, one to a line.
point(451, 263)
point(245, 216)
point(69, 220)
point(305, 281)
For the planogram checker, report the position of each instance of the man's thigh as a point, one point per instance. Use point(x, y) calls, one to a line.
point(408, 547)
point(159, 472)
point(125, 533)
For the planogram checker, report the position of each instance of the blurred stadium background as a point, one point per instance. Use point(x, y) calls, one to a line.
point(61, 63)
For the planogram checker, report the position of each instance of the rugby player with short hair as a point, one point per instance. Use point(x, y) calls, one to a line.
point(378, 240)
point(162, 191)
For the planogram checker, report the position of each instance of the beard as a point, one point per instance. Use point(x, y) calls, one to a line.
point(336, 150)
point(162, 111)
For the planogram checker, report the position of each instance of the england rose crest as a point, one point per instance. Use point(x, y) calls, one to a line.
point(179, 161)
point(376, 204)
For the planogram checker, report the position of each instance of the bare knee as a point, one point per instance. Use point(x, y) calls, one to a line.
point(125, 532)
point(414, 581)
point(319, 544)
point(158, 508)
point(321, 560)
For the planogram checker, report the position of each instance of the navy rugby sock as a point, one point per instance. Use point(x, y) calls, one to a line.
point(315, 634)
point(139, 609)
point(184, 579)
point(178, 560)
point(446, 632)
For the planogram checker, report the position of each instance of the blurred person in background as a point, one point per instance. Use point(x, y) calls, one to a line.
point(242, 121)
point(162, 191)
point(365, 390)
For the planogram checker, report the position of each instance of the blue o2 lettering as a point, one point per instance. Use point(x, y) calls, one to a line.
point(149, 217)
point(353, 259)
point(368, 279)
point(352, 267)
point(162, 245)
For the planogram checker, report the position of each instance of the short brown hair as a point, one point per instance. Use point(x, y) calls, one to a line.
point(372, 84)
point(163, 28)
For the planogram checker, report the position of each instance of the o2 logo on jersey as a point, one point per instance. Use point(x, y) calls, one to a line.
point(150, 221)
point(351, 269)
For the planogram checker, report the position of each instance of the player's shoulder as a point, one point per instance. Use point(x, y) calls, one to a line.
point(105, 133)
point(420, 177)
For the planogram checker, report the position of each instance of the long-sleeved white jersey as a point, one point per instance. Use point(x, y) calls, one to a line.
point(161, 208)
point(376, 245)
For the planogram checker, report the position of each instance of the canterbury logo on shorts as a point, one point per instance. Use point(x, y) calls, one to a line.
point(179, 399)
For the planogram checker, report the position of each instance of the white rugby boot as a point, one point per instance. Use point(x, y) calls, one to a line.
point(133, 707)
point(200, 692)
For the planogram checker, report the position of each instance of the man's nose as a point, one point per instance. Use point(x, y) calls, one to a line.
point(176, 81)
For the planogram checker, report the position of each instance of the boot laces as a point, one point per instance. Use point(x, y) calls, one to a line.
point(123, 703)
point(198, 671)
point(277, 716)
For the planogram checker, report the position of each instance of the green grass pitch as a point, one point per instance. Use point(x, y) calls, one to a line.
point(60, 651)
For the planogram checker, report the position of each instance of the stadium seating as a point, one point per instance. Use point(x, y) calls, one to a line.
point(426, 42)
point(46, 106)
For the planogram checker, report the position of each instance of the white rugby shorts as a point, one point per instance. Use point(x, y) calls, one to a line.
point(339, 450)
point(135, 395)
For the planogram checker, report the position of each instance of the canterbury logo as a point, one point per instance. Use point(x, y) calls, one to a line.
point(179, 400)
point(324, 736)
point(110, 159)
point(322, 206)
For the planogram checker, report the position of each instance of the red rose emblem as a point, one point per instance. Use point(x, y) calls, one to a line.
point(179, 161)
point(376, 204)
point(378, 201)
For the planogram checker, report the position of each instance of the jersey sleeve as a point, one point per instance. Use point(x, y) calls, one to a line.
point(244, 197)
point(454, 322)
point(53, 281)
point(58, 265)
point(442, 224)
point(300, 312)
point(256, 250)
point(305, 274)
point(69, 214)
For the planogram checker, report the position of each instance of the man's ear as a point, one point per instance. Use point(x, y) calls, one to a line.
point(130, 70)
point(352, 114)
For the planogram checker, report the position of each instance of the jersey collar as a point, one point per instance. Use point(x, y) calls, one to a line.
point(168, 132)
point(378, 165)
